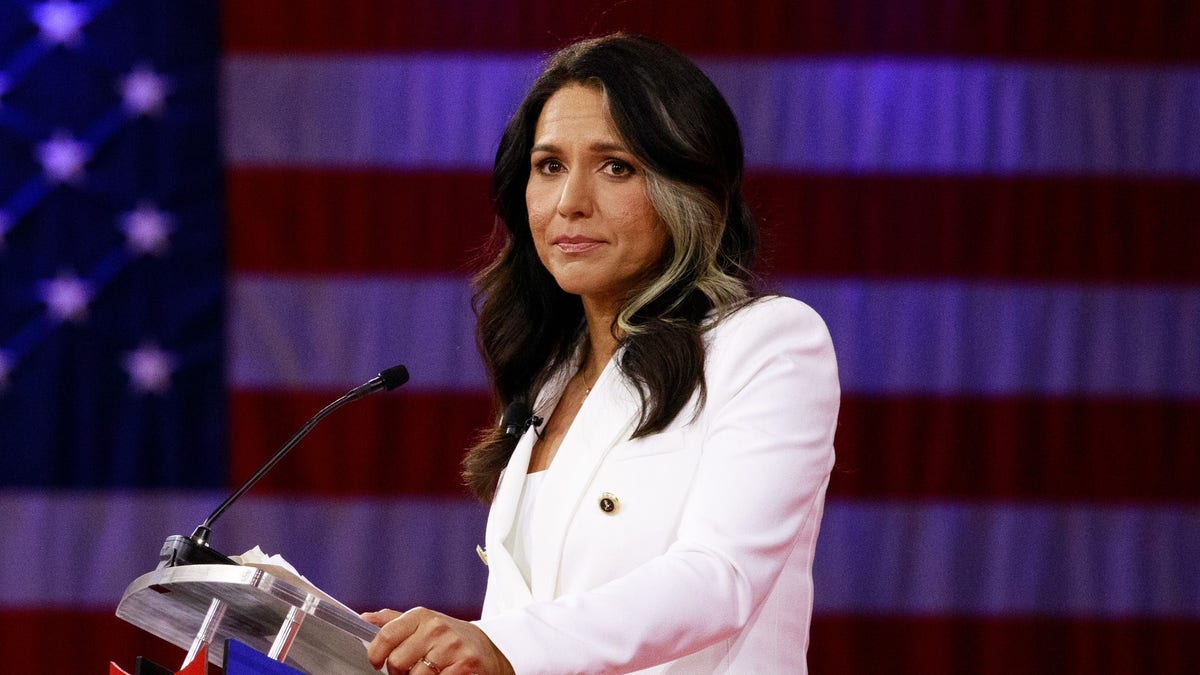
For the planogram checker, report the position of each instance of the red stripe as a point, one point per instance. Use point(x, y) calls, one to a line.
point(33, 642)
point(65, 641)
point(1078, 449)
point(852, 645)
point(1072, 229)
point(83, 642)
point(407, 443)
point(1158, 30)
point(334, 221)
point(412, 443)
point(1024, 228)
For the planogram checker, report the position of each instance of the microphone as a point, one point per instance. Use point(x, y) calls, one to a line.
point(180, 550)
point(517, 419)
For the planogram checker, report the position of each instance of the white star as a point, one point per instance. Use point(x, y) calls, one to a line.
point(149, 369)
point(66, 297)
point(143, 91)
point(62, 158)
point(60, 22)
point(6, 366)
point(146, 229)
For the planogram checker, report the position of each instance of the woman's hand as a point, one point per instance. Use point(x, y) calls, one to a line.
point(425, 642)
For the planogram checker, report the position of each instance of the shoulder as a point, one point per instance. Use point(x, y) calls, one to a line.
point(770, 334)
point(773, 316)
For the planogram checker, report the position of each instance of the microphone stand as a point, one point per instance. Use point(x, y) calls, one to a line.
point(180, 550)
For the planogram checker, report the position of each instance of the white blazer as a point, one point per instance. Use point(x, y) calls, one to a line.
point(704, 563)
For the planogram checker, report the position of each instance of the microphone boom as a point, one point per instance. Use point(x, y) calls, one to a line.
point(180, 550)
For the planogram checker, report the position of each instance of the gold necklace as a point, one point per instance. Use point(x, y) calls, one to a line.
point(587, 388)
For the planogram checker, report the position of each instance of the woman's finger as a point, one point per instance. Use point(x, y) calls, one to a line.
point(391, 645)
point(380, 617)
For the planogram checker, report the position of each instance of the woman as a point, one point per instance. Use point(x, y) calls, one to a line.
point(664, 515)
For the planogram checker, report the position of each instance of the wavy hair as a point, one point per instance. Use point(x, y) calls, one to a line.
point(676, 123)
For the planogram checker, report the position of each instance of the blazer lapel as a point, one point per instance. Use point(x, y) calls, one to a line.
point(607, 417)
point(505, 580)
point(506, 585)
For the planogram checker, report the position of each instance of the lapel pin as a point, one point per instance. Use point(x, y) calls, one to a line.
point(482, 553)
point(609, 503)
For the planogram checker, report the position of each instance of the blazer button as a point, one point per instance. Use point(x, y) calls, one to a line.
point(609, 503)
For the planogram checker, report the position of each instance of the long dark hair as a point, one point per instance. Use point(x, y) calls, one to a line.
point(675, 121)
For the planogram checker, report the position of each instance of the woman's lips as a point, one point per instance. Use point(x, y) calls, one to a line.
point(576, 244)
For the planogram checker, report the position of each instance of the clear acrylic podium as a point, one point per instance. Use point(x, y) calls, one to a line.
point(193, 605)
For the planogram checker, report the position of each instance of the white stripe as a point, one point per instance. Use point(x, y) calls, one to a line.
point(84, 548)
point(953, 338)
point(1063, 560)
point(336, 332)
point(891, 337)
point(81, 549)
point(826, 115)
point(400, 111)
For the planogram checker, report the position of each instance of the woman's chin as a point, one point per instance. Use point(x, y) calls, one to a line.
point(577, 282)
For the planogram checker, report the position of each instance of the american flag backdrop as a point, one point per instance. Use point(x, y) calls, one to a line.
point(217, 217)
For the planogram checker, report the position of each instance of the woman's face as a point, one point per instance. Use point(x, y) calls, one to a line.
point(591, 218)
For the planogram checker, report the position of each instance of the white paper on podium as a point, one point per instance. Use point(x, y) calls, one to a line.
point(276, 566)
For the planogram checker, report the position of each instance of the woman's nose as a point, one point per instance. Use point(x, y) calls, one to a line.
point(576, 198)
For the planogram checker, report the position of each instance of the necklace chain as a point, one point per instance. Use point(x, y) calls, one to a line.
point(587, 388)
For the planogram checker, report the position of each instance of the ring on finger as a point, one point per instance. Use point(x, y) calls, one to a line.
point(431, 665)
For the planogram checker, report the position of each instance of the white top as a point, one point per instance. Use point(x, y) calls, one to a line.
point(520, 540)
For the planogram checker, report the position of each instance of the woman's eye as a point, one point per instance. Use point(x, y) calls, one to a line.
point(549, 166)
point(615, 167)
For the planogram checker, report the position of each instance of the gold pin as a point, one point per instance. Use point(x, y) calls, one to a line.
point(609, 503)
point(482, 553)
